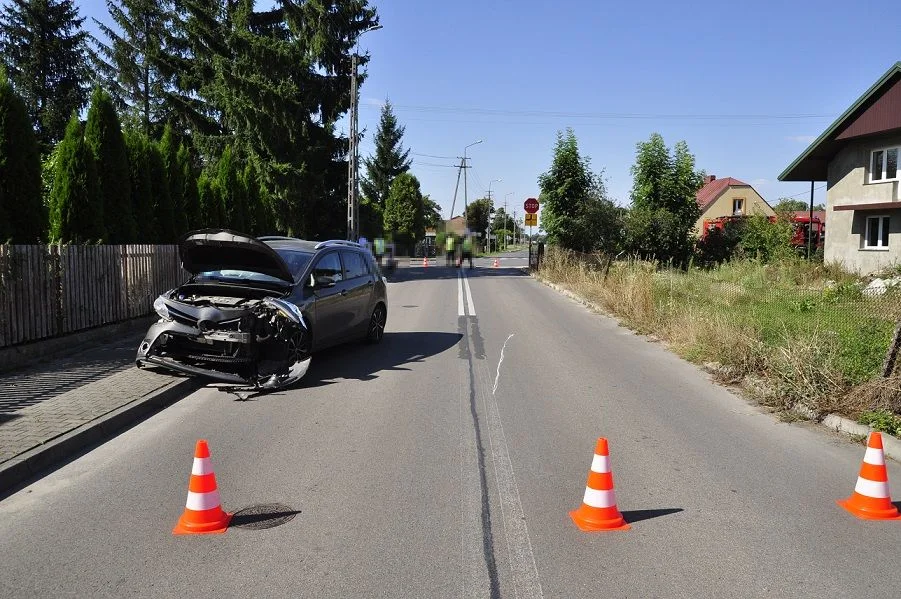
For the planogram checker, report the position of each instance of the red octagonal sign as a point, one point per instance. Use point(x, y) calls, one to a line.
point(531, 205)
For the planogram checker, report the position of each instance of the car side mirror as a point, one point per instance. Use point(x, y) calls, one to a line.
point(323, 282)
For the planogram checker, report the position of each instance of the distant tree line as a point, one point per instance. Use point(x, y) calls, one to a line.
point(200, 113)
point(659, 225)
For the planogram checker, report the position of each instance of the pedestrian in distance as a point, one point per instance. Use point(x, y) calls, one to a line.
point(467, 250)
point(449, 249)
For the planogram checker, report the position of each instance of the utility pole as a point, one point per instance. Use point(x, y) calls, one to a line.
point(353, 200)
point(514, 226)
point(352, 218)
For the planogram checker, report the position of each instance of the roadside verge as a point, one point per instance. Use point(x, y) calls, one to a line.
point(892, 445)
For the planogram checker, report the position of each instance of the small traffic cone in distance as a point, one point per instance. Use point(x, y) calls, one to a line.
point(496, 263)
point(203, 510)
point(598, 510)
point(871, 499)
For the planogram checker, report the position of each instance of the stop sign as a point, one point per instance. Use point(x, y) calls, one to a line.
point(531, 205)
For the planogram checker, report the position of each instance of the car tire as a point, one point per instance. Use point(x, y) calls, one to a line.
point(376, 328)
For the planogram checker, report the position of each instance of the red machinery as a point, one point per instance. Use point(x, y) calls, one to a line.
point(800, 225)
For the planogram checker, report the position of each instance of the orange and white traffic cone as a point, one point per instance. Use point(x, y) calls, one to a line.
point(496, 263)
point(425, 262)
point(203, 511)
point(871, 499)
point(598, 510)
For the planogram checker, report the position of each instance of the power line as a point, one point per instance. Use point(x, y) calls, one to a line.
point(604, 115)
point(433, 156)
point(418, 163)
point(804, 193)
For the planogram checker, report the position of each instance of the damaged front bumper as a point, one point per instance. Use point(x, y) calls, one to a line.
point(151, 351)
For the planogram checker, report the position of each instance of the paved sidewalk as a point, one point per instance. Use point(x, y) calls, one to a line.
point(59, 407)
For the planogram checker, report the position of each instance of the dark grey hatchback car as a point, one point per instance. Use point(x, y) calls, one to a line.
point(255, 309)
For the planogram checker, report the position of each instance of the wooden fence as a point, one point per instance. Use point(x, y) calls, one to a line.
point(51, 290)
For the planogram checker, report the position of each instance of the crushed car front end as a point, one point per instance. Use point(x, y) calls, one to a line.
point(230, 326)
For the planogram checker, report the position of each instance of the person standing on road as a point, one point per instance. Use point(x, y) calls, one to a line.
point(379, 244)
point(467, 250)
point(449, 248)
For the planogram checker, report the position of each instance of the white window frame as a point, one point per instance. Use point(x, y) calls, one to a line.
point(884, 220)
point(884, 151)
point(742, 207)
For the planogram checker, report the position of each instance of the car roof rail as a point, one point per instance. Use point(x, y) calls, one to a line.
point(338, 242)
point(276, 238)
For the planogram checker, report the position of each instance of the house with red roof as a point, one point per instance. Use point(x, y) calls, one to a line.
point(729, 197)
point(857, 157)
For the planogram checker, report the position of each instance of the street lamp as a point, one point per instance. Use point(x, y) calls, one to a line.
point(507, 217)
point(490, 210)
point(353, 202)
point(465, 194)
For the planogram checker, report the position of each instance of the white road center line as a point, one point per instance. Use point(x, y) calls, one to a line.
point(472, 309)
point(460, 311)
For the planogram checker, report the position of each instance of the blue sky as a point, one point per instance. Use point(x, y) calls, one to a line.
point(738, 81)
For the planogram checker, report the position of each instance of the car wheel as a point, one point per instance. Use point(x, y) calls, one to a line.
point(299, 345)
point(376, 331)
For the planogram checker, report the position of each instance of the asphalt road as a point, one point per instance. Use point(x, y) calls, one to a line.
point(428, 467)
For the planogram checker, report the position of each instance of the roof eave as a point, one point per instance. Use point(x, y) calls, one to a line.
point(895, 69)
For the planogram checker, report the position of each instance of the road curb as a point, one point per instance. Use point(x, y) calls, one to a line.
point(891, 444)
point(32, 462)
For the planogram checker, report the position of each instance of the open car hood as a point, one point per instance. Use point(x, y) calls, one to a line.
point(221, 249)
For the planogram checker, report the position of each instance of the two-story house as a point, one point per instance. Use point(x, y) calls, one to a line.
point(857, 156)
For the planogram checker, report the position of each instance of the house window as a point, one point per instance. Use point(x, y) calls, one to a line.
point(738, 205)
point(884, 165)
point(876, 235)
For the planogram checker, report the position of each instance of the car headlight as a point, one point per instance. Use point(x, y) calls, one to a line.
point(159, 304)
point(287, 309)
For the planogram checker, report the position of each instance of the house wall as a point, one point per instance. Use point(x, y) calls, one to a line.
point(847, 184)
point(754, 204)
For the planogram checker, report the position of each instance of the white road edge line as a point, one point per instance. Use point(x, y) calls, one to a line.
point(472, 309)
point(460, 311)
point(497, 376)
point(526, 583)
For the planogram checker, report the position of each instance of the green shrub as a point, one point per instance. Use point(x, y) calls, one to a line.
point(103, 135)
point(882, 421)
point(76, 206)
point(22, 214)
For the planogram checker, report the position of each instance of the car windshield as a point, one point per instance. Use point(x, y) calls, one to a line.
point(296, 260)
point(237, 276)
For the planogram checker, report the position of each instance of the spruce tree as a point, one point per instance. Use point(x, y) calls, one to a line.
point(284, 115)
point(45, 50)
point(169, 146)
point(138, 147)
point(190, 194)
point(389, 160)
point(103, 134)
point(22, 214)
point(76, 205)
point(162, 199)
point(137, 60)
